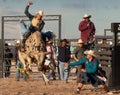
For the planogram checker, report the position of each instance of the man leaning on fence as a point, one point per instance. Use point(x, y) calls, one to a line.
point(78, 54)
point(87, 29)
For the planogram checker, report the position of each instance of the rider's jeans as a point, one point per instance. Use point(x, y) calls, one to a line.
point(24, 29)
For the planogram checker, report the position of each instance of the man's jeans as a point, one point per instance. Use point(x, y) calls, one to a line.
point(79, 73)
point(24, 29)
point(63, 71)
point(20, 65)
point(84, 77)
point(95, 80)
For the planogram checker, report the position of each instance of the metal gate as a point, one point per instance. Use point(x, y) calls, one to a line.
point(104, 54)
point(6, 19)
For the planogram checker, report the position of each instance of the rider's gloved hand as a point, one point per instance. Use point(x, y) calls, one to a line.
point(29, 3)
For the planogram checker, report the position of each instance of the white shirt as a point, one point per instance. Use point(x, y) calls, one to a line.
point(51, 49)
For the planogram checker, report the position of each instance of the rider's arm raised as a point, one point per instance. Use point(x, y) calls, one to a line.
point(30, 16)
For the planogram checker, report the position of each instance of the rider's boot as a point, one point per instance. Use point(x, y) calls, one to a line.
point(23, 42)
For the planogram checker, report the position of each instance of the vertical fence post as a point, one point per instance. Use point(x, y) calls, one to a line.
point(2, 48)
point(59, 30)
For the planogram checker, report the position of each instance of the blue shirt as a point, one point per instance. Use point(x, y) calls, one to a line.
point(90, 66)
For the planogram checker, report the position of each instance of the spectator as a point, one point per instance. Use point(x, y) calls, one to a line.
point(20, 67)
point(99, 48)
point(17, 46)
point(78, 54)
point(87, 29)
point(51, 57)
point(90, 71)
point(64, 58)
point(7, 63)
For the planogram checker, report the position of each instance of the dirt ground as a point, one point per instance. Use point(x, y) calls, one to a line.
point(33, 86)
point(36, 86)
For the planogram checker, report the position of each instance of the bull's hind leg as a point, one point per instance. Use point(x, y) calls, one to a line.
point(45, 79)
point(28, 72)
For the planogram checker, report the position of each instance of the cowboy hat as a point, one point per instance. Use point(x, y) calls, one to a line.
point(17, 41)
point(64, 40)
point(49, 41)
point(6, 44)
point(85, 52)
point(90, 52)
point(87, 16)
point(80, 41)
point(40, 13)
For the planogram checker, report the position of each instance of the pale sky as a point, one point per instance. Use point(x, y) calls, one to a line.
point(103, 12)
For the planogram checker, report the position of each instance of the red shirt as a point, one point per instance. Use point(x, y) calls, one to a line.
point(87, 30)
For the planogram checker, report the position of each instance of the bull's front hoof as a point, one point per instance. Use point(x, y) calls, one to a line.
point(47, 82)
point(30, 71)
